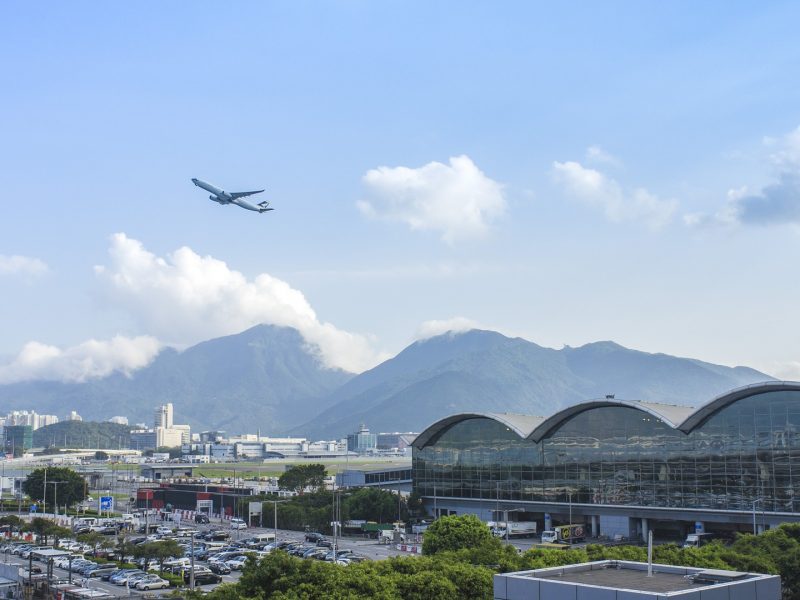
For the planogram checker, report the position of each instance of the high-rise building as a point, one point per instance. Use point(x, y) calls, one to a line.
point(162, 417)
point(119, 420)
point(18, 438)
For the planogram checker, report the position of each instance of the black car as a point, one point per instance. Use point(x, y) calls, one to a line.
point(220, 568)
point(313, 536)
point(203, 577)
point(325, 543)
point(201, 518)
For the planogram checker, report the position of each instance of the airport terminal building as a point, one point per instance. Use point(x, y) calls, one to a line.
point(621, 467)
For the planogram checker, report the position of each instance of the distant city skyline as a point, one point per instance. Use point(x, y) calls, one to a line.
point(625, 171)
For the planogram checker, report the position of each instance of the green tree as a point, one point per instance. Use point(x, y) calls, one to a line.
point(374, 504)
point(159, 551)
point(40, 527)
point(299, 477)
point(93, 539)
point(12, 521)
point(457, 532)
point(71, 486)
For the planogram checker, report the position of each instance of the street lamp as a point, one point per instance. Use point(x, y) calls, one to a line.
point(275, 516)
point(55, 496)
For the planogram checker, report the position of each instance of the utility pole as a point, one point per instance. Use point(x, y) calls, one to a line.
point(44, 492)
point(55, 496)
point(191, 552)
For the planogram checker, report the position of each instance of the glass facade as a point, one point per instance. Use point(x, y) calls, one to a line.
point(618, 455)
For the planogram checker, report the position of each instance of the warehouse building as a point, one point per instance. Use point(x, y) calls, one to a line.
point(623, 468)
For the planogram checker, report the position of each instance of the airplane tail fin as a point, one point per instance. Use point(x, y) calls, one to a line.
point(263, 206)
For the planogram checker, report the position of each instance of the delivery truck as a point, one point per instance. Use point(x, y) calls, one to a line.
point(511, 529)
point(564, 534)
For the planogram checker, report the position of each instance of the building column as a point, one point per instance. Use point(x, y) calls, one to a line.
point(760, 528)
point(645, 529)
point(595, 526)
point(548, 522)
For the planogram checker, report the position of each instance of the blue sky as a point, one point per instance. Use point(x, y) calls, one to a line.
point(570, 173)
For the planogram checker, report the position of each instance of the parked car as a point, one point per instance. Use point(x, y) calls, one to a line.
point(201, 518)
point(238, 524)
point(203, 577)
point(220, 568)
point(152, 582)
point(314, 536)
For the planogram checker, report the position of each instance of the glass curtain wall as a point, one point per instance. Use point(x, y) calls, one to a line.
point(746, 452)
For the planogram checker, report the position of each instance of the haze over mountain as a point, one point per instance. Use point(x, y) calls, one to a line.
point(269, 378)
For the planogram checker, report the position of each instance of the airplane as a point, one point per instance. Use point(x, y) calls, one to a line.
point(223, 197)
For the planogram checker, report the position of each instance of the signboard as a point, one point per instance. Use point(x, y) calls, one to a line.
point(255, 508)
point(106, 502)
point(34, 508)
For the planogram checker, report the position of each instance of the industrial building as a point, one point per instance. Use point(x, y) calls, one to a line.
point(622, 467)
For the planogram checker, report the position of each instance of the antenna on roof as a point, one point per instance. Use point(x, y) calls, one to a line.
point(609, 396)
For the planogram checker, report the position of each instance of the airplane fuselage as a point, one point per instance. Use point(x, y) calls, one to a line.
point(220, 196)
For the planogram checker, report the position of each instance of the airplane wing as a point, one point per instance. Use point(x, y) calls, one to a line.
point(235, 195)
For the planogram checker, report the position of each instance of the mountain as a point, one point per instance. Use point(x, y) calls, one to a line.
point(266, 377)
point(488, 372)
point(82, 434)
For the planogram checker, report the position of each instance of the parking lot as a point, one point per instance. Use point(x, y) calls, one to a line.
point(221, 556)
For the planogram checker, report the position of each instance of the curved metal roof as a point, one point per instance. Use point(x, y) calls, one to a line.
point(702, 414)
point(683, 418)
point(552, 423)
point(522, 425)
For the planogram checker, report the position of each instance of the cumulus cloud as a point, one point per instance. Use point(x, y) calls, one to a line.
point(90, 359)
point(184, 298)
point(777, 203)
point(598, 190)
point(432, 328)
point(21, 265)
point(456, 199)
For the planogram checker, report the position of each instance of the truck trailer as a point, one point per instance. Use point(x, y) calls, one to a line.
point(511, 529)
point(564, 534)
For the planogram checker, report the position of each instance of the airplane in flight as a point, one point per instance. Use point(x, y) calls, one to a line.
point(223, 197)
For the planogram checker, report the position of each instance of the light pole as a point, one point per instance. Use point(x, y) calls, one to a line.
point(55, 496)
point(275, 516)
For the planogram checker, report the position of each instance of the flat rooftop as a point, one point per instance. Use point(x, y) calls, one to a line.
point(627, 579)
point(606, 578)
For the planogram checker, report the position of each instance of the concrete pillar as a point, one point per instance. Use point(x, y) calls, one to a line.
point(645, 529)
point(595, 526)
point(548, 522)
point(760, 528)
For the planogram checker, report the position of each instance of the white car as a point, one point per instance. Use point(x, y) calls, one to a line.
point(152, 582)
point(236, 564)
point(164, 531)
point(238, 524)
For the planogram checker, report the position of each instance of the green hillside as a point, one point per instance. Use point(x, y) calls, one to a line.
point(82, 434)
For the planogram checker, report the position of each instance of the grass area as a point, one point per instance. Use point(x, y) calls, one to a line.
point(275, 468)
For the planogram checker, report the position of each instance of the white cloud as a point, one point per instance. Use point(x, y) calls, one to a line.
point(88, 360)
point(21, 265)
point(430, 329)
point(185, 298)
point(777, 203)
point(458, 200)
point(596, 154)
point(603, 192)
point(787, 371)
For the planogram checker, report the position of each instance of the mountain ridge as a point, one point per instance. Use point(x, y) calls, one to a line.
point(270, 378)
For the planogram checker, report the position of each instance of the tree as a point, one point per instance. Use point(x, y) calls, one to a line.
point(374, 504)
point(457, 532)
point(12, 521)
point(300, 477)
point(40, 527)
point(160, 551)
point(71, 486)
point(93, 539)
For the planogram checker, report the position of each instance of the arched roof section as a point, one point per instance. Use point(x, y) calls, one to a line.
point(702, 414)
point(522, 425)
point(552, 423)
